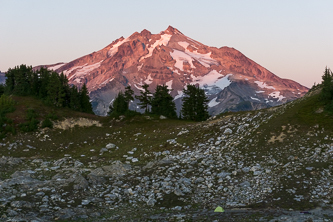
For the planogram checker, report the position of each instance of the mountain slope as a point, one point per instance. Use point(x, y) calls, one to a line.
point(173, 59)
point(266, 165)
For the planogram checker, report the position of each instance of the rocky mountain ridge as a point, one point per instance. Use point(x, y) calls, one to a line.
point(231, 80)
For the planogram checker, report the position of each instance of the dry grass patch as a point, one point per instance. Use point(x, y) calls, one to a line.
point(72, 122)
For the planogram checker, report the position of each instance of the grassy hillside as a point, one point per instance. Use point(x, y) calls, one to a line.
point(273, 158)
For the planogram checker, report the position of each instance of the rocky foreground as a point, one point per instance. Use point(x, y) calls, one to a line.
point(286, 176)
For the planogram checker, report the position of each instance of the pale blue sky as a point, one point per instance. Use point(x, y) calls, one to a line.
point(291, 38)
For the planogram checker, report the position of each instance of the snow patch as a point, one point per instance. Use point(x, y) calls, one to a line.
point(180, 94)
point(260, 91)
point(56, 66)
point(114, 48)
point(69, 71)
point(184, 44)
point(140, 66)
point(204, 59)
point(223, 82)
point(169, 84)
point(138, 87)
point(149, 80)
point(180, 57)
point(213, 102)
point(82, 70)
point(277, 95)
point(176, 71)
point(255, 98)
point(212, 78)
point(263, 85)
point(106, 81)
point(164, 40)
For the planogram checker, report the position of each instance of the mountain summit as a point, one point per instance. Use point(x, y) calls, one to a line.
point(231, 81)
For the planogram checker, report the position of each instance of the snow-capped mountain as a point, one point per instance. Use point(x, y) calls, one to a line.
point(231, 80)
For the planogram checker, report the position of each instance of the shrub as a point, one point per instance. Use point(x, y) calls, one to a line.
point(30, 126)
point(47, 123)
point(52, 116)
point(32, 123)
point(7, 104)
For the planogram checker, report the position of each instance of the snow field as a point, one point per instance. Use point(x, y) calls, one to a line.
point(164, 40)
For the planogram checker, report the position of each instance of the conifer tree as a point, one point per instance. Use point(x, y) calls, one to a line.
point(162, 102)
point(2, 89)
point(119, 105)
point(194, 104)
point(47, 85)
point(55, 91)
point(128, 95)
point(85, 100)
point(10, 81)
point(144, 98)
point(327, 90)
point(44, 76)
point(74, 99)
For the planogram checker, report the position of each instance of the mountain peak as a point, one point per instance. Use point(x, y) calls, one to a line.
point(175, 60)
point(171, 30)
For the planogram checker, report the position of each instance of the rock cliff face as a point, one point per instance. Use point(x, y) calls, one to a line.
point(231, 80)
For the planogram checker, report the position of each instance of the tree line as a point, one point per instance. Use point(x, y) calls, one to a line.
point(54, 90)
point(194, 102)
point(326, 95)
point(47, 85)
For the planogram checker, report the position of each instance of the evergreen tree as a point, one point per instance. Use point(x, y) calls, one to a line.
point(85, 100)
point(10, 81)
point(144, 98)
point(18, 80)
point(22, 76)
point(35, 84)
point(162, 102)
point(74, 99)
point(44, 76)
point(128, 94)
point(47, 85)
point(194, 104)
point(327, 90)
point(119, 105)
point(55, 91)
point(2, 89)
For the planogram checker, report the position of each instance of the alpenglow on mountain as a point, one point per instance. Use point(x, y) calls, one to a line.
point(232, 81)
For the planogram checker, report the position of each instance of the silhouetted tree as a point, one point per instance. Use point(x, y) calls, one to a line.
point(55, 91)
point(162, 102)
point(144, 98)
point(128, 95)
point(85, 100)
point(194, 104)
point(47, 85)
point(327, 89)
point(119, 105)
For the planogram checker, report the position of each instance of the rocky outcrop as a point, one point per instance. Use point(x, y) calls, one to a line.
point(173, 59)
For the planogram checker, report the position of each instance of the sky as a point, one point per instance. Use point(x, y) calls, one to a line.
point(291, 38)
